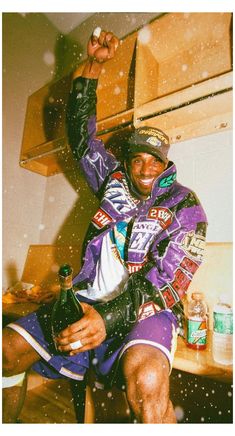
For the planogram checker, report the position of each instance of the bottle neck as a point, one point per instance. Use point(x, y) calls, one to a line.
point(66, 283)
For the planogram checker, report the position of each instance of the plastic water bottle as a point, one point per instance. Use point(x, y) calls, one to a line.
point(197, 322)
point(222, 349)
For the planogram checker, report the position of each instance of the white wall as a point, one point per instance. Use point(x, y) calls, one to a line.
point(204, 164)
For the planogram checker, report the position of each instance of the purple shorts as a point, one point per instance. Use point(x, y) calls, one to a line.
point(159, 330)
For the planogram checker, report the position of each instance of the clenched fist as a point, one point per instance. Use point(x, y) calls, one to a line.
point(101, 48)
point(102, 45)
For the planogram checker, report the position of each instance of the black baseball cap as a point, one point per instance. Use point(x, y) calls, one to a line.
point(149, 140)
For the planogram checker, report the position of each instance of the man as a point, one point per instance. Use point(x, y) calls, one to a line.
point(140, 253)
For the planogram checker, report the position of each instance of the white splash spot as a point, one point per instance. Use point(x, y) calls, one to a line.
point(117, 90)
point(144, 35)
point(51, 99)
point(49, 57)
point(94, 361)
point(121, 74)
point(41, 226)
point(109, 394)
point(205, 74)
point(25, 235)
point(184, 67)
point(179, 413)
point(55, 267)
point(229, 394)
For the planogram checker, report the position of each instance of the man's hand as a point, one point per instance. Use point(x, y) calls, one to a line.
point(100, 49)
point(90, 330)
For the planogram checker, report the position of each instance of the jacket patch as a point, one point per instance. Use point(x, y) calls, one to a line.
point(142, 235)
point(101, 219)
point(194, 245)
point(189, 265)
point(148, 309)
point(134, 267)
point(162, 214)
point(118, 175)
point(167, 181)
point(169, 297)
point(119, 197)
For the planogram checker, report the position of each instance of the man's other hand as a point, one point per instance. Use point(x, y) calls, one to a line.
point(89, 331)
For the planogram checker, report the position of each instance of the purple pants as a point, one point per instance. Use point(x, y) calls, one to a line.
point(158, 330)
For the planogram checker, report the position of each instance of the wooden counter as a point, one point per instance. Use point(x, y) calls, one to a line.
point(188, 360)
point(201, 362)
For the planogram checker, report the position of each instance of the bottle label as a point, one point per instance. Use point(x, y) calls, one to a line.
point(223, 323)
point(196, 332)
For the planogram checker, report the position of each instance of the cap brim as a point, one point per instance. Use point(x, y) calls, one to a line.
point(141, 148)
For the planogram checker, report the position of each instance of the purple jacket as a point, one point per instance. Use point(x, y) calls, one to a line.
point(166, 237)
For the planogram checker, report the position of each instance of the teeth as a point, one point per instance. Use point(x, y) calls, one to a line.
point(146, 182)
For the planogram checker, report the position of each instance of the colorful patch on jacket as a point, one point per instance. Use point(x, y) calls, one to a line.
point(194, 245)
point(117, 194)
point(161, 214)
point(101, 219)
point(142, 235)
point(167, 181)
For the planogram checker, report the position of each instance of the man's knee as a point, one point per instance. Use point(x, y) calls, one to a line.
point(151, 378)
point(15, 353)
point(8, 358)
point(147, 379)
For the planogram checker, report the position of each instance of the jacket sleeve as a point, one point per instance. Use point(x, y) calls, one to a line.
point(94, 160)
point(164, 280)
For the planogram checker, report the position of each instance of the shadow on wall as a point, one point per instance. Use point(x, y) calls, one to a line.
point(67, 56)
point(12, 273)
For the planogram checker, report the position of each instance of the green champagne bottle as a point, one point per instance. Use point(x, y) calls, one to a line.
point(67, 308)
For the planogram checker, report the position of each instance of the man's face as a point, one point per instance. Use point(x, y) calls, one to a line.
point(143, 169)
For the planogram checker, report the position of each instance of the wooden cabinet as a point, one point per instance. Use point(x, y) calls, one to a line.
point(183, 81)
point(44, 142)
point(175, 74)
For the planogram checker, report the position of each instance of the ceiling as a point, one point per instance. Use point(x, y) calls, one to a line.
point(66, 22)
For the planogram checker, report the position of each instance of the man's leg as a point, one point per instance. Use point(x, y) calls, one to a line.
point(146, 372)
point(18, 357)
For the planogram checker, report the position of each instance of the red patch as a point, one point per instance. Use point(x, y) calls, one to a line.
point(134, 267)
point(101, 218)
point(181, 283)
point(189, 265)
point(162, 214)
point(168, 297)
point(118, 175)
